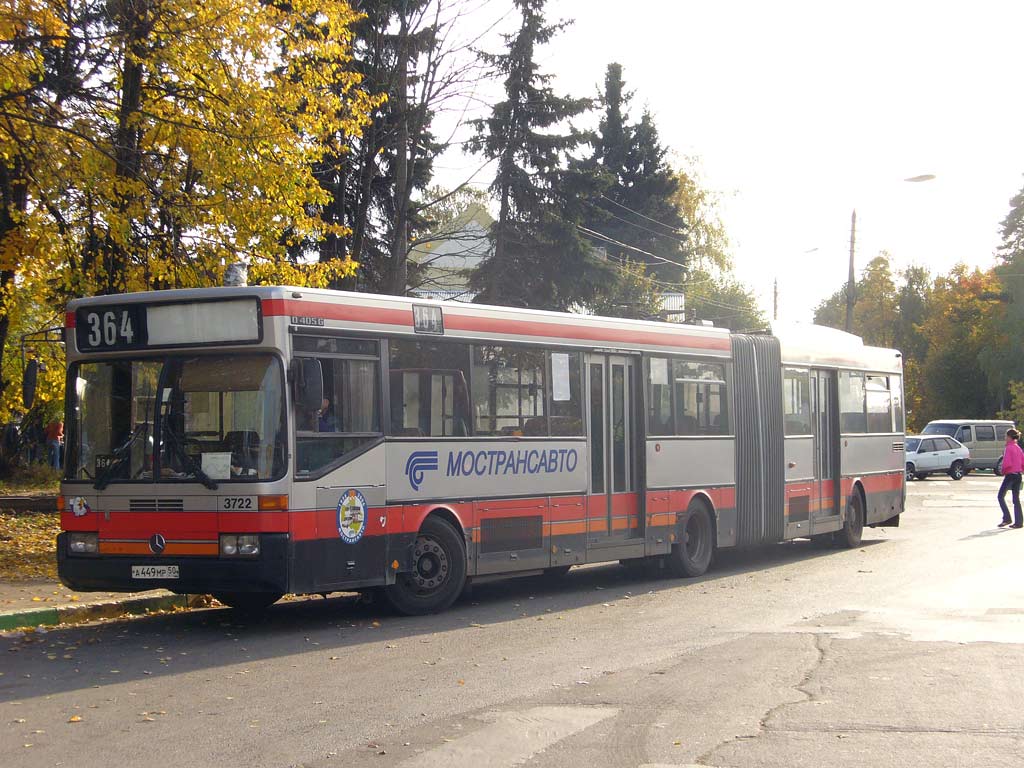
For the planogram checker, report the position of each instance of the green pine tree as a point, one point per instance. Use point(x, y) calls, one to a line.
point(638, 213)
point(539, 258)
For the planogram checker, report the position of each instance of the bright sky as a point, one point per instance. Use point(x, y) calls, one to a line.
point(799, 112)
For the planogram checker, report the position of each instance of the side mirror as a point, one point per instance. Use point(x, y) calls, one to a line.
point(28, 383)
point(309, 383)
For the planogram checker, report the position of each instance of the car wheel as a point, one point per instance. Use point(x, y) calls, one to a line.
point(999, 467)
point(956, 471)
point(910, 472)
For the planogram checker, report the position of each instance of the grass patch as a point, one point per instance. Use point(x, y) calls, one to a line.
point(28, 546)
point(34, 480)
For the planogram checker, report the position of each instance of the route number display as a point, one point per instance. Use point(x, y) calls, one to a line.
point(110, 328)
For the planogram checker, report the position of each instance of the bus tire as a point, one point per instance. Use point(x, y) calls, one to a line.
point(692, 554)
point(438, 571)
point(850, 534)
point(248, 602)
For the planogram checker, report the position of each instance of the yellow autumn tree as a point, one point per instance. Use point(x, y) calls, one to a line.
point(147, 143)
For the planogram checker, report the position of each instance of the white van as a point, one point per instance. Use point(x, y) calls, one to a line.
point(985, 438)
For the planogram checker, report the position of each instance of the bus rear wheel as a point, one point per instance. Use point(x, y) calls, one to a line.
point(248, 602)
point(853, 528)
point(691, 555)
point(438, 572)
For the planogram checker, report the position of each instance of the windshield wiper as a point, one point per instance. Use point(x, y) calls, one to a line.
point(177, 444)
point(119, 454)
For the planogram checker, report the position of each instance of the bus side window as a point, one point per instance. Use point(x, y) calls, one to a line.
point(429, 393)
point(349, 414)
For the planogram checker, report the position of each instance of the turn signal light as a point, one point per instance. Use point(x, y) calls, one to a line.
point(60, 504)
point(269, 503)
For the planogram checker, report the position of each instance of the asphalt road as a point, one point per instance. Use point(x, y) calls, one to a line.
point(908, 651)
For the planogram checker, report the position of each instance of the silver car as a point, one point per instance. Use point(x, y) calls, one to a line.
point(928, 454)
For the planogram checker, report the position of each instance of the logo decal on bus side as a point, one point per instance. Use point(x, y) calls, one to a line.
point(351, 516)
point(492, 463)
point(418, 463)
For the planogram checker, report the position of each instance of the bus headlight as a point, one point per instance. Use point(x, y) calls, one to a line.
point(239, 545)
point(83, 543)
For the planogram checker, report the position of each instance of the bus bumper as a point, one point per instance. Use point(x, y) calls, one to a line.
point(196, 575)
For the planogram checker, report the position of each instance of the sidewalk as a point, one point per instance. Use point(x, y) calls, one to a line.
point(42, 602)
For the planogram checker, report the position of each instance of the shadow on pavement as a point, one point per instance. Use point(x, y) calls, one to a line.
point(123, 651)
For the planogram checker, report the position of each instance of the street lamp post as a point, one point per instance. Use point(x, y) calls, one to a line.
point(851, 285)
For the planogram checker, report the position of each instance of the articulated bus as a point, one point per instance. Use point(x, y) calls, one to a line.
point(252, 442)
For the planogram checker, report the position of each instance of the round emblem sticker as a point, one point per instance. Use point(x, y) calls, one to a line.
point(351, 516)
point(80, 506)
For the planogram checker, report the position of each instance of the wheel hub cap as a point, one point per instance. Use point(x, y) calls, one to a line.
point(431, 564)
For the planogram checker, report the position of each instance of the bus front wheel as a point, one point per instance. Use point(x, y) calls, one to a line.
point(853, 528)
point(438, 572)
point(691, 555)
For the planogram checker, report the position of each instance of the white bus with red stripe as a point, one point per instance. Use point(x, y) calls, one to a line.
point(251, 442)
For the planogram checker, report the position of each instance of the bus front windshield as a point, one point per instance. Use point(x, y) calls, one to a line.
point(209, 418)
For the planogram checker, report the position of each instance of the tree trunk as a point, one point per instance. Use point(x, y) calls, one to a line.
point(134, 26)
point(400, 247)
point(13, 202)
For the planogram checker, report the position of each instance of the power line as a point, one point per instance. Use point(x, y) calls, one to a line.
point(635, 224)
point(680, 232)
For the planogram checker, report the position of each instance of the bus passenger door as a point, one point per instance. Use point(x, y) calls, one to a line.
point(613, 503)
point(825, 391)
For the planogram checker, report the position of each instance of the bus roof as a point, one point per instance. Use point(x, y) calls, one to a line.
point(375, 313)
point(393, 315)
point(804, 344)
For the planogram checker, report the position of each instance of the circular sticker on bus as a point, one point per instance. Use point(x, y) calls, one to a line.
point(351, 516)
point(80, 506)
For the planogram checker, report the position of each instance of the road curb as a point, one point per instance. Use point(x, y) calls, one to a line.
point(78, 614)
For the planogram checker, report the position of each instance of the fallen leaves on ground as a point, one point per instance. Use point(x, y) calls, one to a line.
point(28, 546)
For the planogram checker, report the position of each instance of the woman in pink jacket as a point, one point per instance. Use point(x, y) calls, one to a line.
point(1013, 465)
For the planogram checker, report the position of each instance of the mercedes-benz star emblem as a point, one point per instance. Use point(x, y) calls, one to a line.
point(157, 543)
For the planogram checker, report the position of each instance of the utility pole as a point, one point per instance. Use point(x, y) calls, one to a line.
point(850, 285)
point(775, 301)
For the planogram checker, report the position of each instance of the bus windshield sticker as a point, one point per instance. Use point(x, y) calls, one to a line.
point(351, 516)
point(560, 377)
point(217, 464)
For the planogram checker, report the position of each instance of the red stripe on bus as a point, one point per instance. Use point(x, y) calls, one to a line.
point(357, 314)
point(478, 324)
point(253, 522)
point(585, 333)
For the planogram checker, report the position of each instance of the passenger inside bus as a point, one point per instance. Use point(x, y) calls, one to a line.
point(325, 420)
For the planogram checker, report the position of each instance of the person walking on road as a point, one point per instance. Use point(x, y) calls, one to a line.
point(1013, 465)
